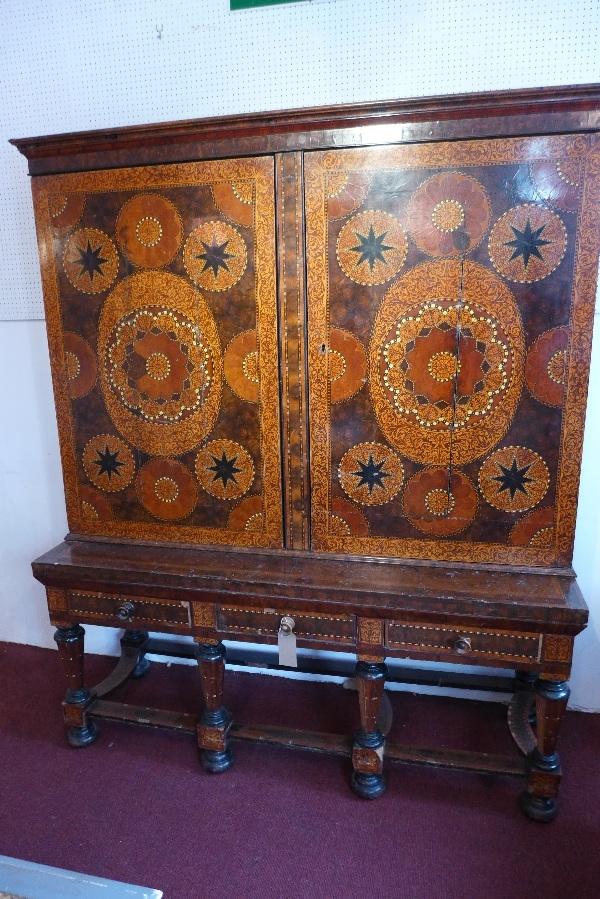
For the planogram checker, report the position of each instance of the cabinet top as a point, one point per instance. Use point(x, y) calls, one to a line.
point(529, 111)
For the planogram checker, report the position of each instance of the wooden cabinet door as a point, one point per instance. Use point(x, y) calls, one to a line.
point(160, 294)
point(450, 303)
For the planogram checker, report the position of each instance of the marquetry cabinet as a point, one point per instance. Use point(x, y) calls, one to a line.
point(320, 378)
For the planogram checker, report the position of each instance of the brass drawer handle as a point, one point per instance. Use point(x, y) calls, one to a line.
point(462, 645)
point(125, 611)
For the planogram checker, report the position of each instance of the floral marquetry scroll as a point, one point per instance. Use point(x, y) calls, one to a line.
point(160, 287)
point(464, 271)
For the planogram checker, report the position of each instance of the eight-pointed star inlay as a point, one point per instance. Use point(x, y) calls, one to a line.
point(215, 256)
point(513, 479)
point(225, 469)
point(108, 463)
point(371, 473)
point(91, 261)
point(527, 243)
point(371, 248)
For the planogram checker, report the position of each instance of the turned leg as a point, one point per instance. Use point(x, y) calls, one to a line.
point(367, 750)
point(215, 720)
point(137, 640)
point(81, 731)
point(543, 780)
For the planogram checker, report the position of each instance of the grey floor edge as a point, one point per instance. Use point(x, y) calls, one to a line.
point(28, 880)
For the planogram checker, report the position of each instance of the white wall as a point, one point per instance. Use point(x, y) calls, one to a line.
point(74, 64)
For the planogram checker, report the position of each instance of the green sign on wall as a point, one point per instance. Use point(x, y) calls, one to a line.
point(248, 4)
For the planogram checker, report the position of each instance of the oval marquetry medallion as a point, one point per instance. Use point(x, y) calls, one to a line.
point(160, 362)
point(444, 373)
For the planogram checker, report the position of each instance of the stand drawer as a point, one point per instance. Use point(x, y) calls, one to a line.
point(128, 609)
point(462, 642)
point(266, 622)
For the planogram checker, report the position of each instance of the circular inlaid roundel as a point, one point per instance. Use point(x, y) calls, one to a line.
point(225, 469)
point(108, 462)
point(94, 505)
point(371, 247)
point(370, 473)
point(346, 519)
point(241, 368)
point(527, 243)
point(90, 260)
point(247, 515)
point(448, 214)
point(558, 182)
point(80, 362)
point(546, 367)
point(215, 255)
point(149, 230)
point(346, 365)
point(438, 504)
point(65, 211)
point(167, 489)
point(514, 479)
point(235, 200)
point(160, 362)
point(446, 375)
point(345, 192)
point(534, 529)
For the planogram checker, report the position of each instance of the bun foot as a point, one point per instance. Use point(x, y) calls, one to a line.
point(78, 737)
point(368, 786)
point(216, 762)
point(538, 808)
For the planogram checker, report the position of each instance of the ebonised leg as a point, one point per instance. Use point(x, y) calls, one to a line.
point(81, 731)
point(367, 751)
point(215, 719)
point(539, 799)
point(138, 640)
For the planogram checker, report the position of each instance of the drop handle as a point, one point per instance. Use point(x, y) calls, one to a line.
point(462, 645)
point(125, 611)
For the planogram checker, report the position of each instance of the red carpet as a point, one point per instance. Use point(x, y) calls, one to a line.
point(137, 807)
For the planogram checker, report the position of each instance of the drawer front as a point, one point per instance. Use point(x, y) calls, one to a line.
point(462, 642)
point(307, 625)
point(129, 609)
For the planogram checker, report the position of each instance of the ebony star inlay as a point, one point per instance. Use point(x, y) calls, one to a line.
point(215, 257)
point(91, 261)
point(371, 473)
point(108, 463)
point(513, 478)
point(371, 248)
point(225, 469)
point(527, 243)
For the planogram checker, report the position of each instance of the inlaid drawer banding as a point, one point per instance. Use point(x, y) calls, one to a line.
point(266, 622)
point(463, 641)
point(128, 608)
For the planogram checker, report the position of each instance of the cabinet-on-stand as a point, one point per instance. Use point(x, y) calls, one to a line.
point(322, 374)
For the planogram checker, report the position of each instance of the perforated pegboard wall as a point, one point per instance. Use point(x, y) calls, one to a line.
point(74, 64)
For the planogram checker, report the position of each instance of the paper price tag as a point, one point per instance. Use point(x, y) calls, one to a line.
point(286, 643)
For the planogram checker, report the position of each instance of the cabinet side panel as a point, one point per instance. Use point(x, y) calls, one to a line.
point(160, 293)
point(580, 348)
